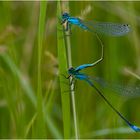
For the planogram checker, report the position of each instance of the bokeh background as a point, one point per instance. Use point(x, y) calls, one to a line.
point(20, 116)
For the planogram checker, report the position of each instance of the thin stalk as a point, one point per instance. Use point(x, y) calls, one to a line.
point(69, 58)
point(132, 73)
point(72, 87)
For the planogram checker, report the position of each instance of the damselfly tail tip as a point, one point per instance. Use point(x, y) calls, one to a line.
point(135, 128)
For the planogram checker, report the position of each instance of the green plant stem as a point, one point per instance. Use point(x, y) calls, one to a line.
point(72, 87)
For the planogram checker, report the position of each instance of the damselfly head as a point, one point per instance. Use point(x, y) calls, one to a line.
point(65, 15)
point(71, 70)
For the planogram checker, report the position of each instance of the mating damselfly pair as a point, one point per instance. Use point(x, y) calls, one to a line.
point(107, 28)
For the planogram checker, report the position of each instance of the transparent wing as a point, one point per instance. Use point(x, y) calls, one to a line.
point(111, 29)
point(123, 90)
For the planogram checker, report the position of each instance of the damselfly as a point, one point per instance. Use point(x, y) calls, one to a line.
point(76, 74)
point(107, 28)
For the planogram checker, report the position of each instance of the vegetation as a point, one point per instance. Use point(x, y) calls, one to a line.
point(35, 96)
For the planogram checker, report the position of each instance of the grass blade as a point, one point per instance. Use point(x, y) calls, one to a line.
point(31, 96)
point(62, 69)
point(40, 116)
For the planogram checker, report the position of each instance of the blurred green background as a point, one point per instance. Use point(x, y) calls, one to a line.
point(26, 112)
